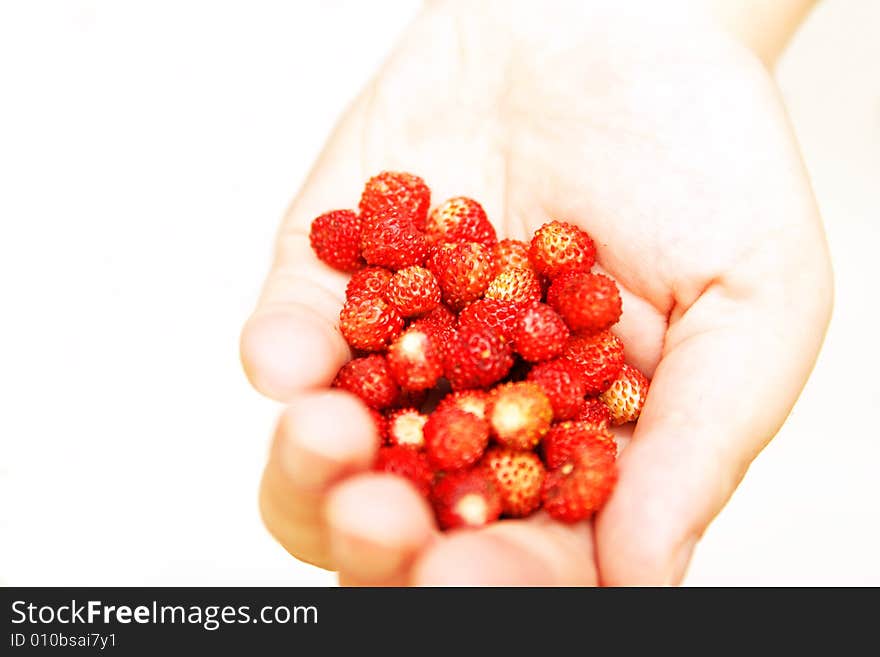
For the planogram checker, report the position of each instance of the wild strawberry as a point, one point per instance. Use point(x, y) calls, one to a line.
point(336, 239)
point(519, 286)
point(519, 414)
point(381, 423)
point(443, 320)
point(463, 270)
point(471, 401)
point(518, 476)
point(510, 254)
point(390, 240)
point(557, 247)
point(626, 396)
point(406, 428)
point(600, 357)
point(565, 438)
point(476, 357)
point(539, 333)
point(370, 281)
point(500, 315)
point(562, 382)
point(455, 439)
point(370, 379)
point(459, 219)
point(466, 499)
point(587, 302)
point(402, 193)
point(369, 323)
point(580, 486)
point(416, 357)
point(408, 463)
point(413, 291)
point(594, 412)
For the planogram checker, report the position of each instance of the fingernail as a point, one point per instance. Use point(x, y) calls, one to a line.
point(679, 563)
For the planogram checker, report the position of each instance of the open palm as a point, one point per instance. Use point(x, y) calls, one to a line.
point(667, 143)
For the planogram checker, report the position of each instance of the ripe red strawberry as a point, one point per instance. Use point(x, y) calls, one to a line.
point(390, 240)
point(471, 401)
point(463, 270)
point(580, 486)
point(403, 193)
point(510, 254)
point(500, 315)
point(562, 382)
point(519, 414)
point(557, 247)
point(408, 463)
point(459, 219)
point(416, 357)
point(600, 357)
point(465, 499)
point(413, 291)
point(626, 396)
point(595, 413)
point(336, 239)
point(369, 323)
point(476, 357)
point(587, 302)
point(406, 428)
point(443, 320)
point(381, 425)
point(539, 333)
point(519, 286)
point(518, 476)
point(370, 281)
point(565, 438)
point(370, 379)
point(455, 439)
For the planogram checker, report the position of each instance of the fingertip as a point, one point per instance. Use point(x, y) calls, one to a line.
point(285, 351)
point(377, 522)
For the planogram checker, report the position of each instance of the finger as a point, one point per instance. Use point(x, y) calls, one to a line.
point(321, 438)
point(377, 523)
point(534, 552)
point(733, 367)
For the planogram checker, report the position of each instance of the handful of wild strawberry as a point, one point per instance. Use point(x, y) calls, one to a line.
point(488, 365)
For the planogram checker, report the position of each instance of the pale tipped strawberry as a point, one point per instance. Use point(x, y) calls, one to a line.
point(510, 254)
point(499, 315)
point(558, 247)
point(518, 286)
point(463, 270)
point(370, 281)
point(369, 323)
point(406, 428)
point(370, 379)
point(565, 438)
point(390, 240)
point(466, 499)
point(581, 485)
point(476, 357)
point(470, 401)
point(626, 396)
point(600, 357)
point(408, 463)
point(519, 414)
point(416, 357)
point(455, 439)
point(518, 476)
point(413, 291)
point(539, 333)
point(336, 239)
point(563, 383)
point(588, 302)
point(403, 193)
point(459, 219)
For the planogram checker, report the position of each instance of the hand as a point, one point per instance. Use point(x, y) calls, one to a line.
point(665, 139)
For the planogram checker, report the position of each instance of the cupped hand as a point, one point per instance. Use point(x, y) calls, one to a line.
point(662, 137)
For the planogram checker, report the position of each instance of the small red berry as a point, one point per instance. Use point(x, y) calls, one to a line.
point(579, 487)
point(459, 219)
point(455, 439)
point(565, 438)
point(600, 357)
point(518, 476)
point(390, 240)
point(519, 414)
point(413, 291)
point(416, 357)
point(466, 499)
point(407, 463)
point(403, 193)
point(369, 323)
point(595, 413)
point(471, 401)
point(562, 382)
point(587, 302)
point(626, 396)
point(476, 357)
point(463, 270)
point(510, 254)
point(539, 333)
point(519, 286)
point(370, 379)
point(557, 247)
point(336, 239)
point(370, 281)
point(499, 315)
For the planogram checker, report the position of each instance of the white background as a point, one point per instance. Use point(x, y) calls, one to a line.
point(147, 151)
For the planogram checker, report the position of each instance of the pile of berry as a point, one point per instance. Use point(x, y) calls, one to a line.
point(488, 365)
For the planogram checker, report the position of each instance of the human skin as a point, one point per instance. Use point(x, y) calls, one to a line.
point(657, 128)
